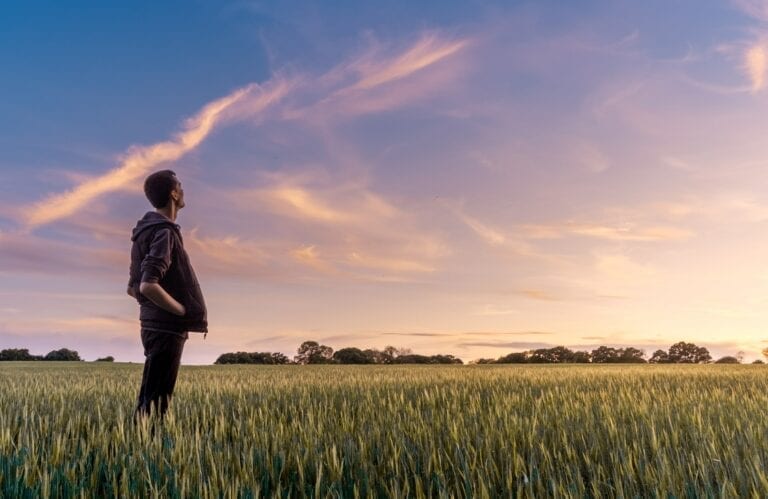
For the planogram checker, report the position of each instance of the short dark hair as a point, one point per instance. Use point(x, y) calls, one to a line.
point(158, 187)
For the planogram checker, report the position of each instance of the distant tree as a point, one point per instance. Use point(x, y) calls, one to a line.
point(411, 358)
point(445, 359)
point(604, 354)
point(581, 357)
point(758, 361)
point(483, 361)
point(351, 355)
point(17, 354)
point(541, 356)
point(63, 354)
point(311, 352)
point(377, 356)
point(233, 358)
point(688, 353)
point(108, 358)
point(393, 352)
point(252, 358)
point(659, 357)
point(631, 355)
point(279, 358)
point(513, 358)
point(554, 355)
point(727, 360)
point(390, 351)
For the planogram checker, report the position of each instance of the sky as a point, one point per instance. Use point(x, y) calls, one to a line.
point(470, 178)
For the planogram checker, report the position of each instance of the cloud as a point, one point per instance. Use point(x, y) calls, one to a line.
point(624, 231)
point(357, 259)
point(378, 81)
point(496, 237)
point(757, 9)
point(622, 269)
point(678, 163)
point(756, 65)
point(90, 326)
point(24, 253)
point(489, 234)
point(344, 229)
point(299, 202)
point(139, 160)
point(490, 310)
point(229, 255)
point(629, 233)
point(427, 51)
point(472, 333)
point(591, 157)
point(346, 88)
point(308, 255)
point(538, 294)
point(524, 345)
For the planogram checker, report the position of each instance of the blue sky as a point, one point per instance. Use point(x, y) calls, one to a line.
point(470, 178)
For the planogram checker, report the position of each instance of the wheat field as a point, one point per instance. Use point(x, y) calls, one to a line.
point(388, 431)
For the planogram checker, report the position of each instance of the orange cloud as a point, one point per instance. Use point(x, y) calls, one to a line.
point(384, 263)
point(756, 65)
point(301, 203)
point(342, 205)
point(322, 229)
point(629, 233)
point(228, 255)
point(308, 255)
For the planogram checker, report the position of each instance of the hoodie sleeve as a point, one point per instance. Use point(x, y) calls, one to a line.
point(158, 258)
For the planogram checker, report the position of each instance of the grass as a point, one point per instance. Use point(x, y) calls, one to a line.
point(373, 431)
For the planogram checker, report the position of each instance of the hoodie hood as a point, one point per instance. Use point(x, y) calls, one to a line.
point(151, 219)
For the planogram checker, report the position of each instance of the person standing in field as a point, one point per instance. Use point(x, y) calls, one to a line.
point(163, 282)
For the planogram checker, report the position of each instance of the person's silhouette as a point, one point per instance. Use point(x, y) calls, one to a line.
point(164, 284)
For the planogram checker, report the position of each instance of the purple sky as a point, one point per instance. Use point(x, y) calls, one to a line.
point(476, 179)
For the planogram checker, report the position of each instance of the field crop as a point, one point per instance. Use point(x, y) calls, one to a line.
point(388, 431)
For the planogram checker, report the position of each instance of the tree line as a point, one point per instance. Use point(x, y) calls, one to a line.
point(312, 352)
point(679, 353)
point(64, 354)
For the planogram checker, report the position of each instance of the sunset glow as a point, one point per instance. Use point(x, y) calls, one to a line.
point(469, 179)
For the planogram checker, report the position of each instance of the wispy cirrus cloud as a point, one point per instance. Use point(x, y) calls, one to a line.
point(429, 50)
point(629, 231)
point(381, 81)
point(299, 202)
point(139, 160)
point(350, 87)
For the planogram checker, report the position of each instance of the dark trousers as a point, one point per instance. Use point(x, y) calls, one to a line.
point(162, 350)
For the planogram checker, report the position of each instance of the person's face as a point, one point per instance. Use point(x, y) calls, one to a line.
point(178, 195)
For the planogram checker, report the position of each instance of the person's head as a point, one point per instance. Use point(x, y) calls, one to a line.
point(162, 188)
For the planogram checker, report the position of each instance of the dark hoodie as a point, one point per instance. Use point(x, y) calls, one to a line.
point(158, 255)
